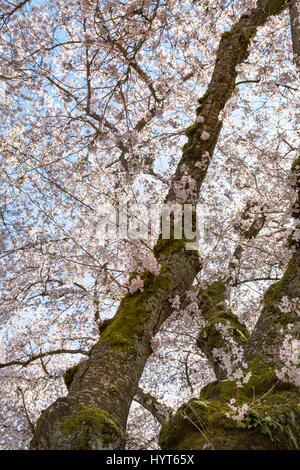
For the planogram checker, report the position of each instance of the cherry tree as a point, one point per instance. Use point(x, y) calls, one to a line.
point(110, 339)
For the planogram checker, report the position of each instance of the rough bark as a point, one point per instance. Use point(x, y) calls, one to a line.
point(294, 6)
point(94, 414)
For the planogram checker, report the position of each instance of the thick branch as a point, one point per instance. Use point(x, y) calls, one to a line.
point(159, 411)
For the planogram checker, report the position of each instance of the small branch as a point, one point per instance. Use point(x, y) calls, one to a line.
point(198, 427)
point(41, 355)
point(248, 81)
point(237, 283)
point(5, 16)
point(44, 367)
point(30, 423)
point(187, 375)
point(287, 86)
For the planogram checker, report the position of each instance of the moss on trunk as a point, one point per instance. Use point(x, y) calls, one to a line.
point(271, 422)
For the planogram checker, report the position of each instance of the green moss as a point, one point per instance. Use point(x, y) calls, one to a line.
point(296, 212)
point(202, 423)
point(132, 314)
point(296, 165)
point(213, 295)
point(126, 325)
point(185, 147)
point(202, 101)
point(69, 375)
point(276, 6)
point(276, 291)
point(191, 130)
point(88, 423)
point(266, 425)
point(133, 311)
point(218, 390)
point(262, 379)
point(167, 247)
point(227, 34)
point(267, 332)
point(104, 324)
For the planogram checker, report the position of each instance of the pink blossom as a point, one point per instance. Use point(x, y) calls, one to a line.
point(205, 135)
point(136, 284)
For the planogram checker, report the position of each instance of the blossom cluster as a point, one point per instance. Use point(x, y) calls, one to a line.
point(231, 358)
point(238, 413)
point(287, 305)
point(290, 356)
point(136, 284)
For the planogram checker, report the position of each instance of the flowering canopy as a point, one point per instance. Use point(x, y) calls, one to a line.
point(96, 98)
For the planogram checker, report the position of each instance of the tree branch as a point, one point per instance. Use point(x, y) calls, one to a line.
point(25, 363)
point(159, 411)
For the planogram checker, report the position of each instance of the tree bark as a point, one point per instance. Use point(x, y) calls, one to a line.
point(294, 6)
